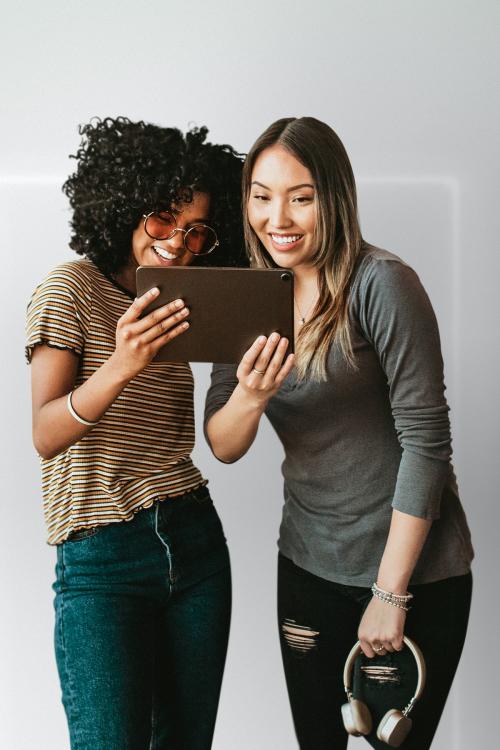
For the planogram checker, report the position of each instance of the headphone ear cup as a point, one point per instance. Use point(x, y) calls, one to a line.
point(394, 727)
point(348, 720)
point(357, 718)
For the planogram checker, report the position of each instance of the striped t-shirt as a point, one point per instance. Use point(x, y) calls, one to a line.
point(140, 449)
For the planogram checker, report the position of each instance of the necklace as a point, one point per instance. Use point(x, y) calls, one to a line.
point(303, 317)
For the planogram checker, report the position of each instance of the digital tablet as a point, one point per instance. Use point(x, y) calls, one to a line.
point(228, 309)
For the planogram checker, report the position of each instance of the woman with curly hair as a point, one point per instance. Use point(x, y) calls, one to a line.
point(143, 589)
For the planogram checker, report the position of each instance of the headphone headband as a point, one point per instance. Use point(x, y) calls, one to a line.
point(419, 659)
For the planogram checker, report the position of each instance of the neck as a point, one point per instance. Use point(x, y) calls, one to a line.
point(126, 277)
point(306, 289)
point(306, 280)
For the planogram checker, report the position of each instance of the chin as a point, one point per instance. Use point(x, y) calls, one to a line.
point(283, 260)
point(285, 263)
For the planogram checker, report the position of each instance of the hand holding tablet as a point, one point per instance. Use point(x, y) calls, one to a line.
point(140, 336)
point(264, 367)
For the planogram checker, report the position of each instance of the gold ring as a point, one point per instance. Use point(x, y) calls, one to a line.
point(259, 372)
point(379, 648)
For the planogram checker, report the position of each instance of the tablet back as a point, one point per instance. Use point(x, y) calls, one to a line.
point(229, 308)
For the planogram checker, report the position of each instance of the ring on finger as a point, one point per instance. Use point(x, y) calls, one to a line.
point(378, 648)
point(259, 372)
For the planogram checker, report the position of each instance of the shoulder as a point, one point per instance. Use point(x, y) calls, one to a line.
point(383, 273)
point(59, 311)
point(73, 280)
point(388, 296)
point(79, 274)
point(382, 265)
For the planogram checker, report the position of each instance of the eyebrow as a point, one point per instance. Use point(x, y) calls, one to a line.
point(289, 190)
point(191, 221)
point(178, 212)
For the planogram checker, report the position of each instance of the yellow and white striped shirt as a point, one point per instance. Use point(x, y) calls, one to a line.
point(140, 450)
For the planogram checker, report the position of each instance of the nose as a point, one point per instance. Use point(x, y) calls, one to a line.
point(176, 242)
point(278, 215)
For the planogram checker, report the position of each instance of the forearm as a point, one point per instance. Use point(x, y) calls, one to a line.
point(55, 429)
point(382, 626)
point(406, 538)
point(232, 430)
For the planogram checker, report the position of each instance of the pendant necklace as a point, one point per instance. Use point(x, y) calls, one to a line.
point(303, 317)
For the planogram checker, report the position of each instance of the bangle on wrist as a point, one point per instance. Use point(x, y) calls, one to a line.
point(75, 415)
point(400, 601)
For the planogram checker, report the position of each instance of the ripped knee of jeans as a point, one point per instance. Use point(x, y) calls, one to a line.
point(301, 639)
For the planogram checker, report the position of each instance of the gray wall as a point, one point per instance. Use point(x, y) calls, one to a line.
point(409, 88)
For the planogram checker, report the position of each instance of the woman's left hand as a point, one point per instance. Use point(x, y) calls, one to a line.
point(381, 628)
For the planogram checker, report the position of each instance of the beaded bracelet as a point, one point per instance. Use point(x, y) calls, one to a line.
point(397, 600)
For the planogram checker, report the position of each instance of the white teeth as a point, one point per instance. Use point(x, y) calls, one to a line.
point(164, 253)
point(287, 240)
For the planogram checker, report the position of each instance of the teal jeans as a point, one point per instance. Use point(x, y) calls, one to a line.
point(142, 624)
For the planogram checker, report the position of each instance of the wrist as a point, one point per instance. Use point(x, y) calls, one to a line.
point(120, 375)
point(249, 401)
point(401, 601)
point(395, 584)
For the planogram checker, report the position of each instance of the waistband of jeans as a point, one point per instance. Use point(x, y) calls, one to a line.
point(198, 493)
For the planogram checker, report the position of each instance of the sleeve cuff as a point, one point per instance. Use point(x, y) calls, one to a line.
point(420, 485)
point(30, 346)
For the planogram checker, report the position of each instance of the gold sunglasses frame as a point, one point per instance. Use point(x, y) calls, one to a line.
point(184, 231)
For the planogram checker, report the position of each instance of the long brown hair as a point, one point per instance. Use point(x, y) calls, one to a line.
point(337, 237)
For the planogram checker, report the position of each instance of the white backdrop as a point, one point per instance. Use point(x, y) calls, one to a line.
point(409, 88)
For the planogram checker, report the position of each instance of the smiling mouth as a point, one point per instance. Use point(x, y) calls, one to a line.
point(164, 254)
point(284, 240)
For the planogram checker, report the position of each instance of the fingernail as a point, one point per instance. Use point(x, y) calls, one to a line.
point(154, 291)
point(261, 339)
point(274, 336)
point(185, 325)
point(178, 303)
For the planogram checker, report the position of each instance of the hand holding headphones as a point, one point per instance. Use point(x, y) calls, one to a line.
point(395, 724)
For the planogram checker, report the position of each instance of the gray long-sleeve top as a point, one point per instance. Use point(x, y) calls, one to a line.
point(368, 440)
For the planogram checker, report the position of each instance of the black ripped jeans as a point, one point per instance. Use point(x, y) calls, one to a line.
point(318, 623)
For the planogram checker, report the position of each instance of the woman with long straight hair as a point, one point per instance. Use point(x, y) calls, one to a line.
point(372, 519)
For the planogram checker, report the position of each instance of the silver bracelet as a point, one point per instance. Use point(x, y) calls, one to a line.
point(75, 415)
point(401, 597)
point(397, 600)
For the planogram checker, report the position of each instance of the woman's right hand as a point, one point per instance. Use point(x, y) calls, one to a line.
point(263, 368)
point(138, 340)
point(232, 429)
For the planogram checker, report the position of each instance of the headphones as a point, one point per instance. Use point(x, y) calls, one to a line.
point(395, 724)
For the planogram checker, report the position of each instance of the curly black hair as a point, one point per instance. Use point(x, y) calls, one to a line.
point(127, 169)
